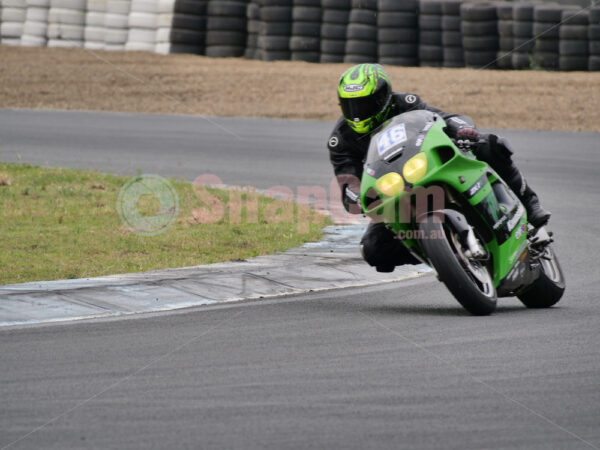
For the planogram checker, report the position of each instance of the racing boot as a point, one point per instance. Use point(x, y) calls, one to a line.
point(497, 152)
point(536, 215)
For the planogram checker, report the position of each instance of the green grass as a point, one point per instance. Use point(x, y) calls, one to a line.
point(58, 223)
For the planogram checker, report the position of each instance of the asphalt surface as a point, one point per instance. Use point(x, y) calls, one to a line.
point(395, 366)
point(239, 151)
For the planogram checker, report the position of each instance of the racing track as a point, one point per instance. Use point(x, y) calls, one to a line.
point(397, 366)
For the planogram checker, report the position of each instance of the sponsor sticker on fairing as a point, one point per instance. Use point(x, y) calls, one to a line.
point(521, 230)
point(390, 138)
point(474, 189)
point(419, 140)
point(512, 223)
point(499, 223)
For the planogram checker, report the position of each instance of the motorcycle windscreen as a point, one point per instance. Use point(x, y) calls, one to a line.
point(399, 138)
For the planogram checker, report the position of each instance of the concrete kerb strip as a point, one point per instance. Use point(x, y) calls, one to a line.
point(334, 262)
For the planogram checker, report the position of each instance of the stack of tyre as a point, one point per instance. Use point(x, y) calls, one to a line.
point(305, 43)
point(181, 26)
point(479, 26)
point(431, 50)
point(12, 16)
point(336, 14)
point(226, 28)
point(546, 20)
point(398, 32)
point(451, 34)
point(594, 39)
point(573, 42)
point(143, 21)
point(506, 41)
point(524, 41)
point(252, 27)
point(361, 34)
point(116, 24)
point(275, 30)
point(95, 30)
point(36, 24)
point(66, 23)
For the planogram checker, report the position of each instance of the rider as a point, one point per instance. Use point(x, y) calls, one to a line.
point(367, 100)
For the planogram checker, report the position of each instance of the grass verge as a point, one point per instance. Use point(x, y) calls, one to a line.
point(59, 223)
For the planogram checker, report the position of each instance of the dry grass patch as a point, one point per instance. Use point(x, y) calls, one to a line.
point(5, 180)
point(189, 84)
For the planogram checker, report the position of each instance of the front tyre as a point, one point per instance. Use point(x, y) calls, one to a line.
point(548, 289)
point(467, 279)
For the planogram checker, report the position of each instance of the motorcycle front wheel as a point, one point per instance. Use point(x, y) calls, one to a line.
point(468, 279)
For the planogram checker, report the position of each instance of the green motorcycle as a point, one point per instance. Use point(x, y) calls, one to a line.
point(454, 213)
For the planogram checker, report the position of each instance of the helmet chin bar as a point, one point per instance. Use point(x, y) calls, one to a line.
point(361, 127)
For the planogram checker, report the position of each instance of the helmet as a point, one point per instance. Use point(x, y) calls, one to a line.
point(365, 95)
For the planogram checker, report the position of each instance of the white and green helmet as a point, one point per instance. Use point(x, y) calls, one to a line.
point(365, 95)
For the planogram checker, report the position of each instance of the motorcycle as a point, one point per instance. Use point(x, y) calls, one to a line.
point(455, 214)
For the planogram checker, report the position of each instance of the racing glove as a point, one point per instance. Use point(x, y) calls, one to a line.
point(467, 137)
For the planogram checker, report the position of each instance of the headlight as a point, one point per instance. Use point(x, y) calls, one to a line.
point(391, 184)
point(415, 168)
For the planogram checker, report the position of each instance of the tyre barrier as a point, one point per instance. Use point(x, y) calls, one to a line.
point(13, 14)
point(479, 26)
point(594, 39)
point(334, 26)
point(398, 32)
point(181, 26)
point(361, 34)
point(450, 33)
point(523, 36)
point(252, 26)
point(546, 25)
point(116, 24)
point(573, 47)
point(305, 43)
point(35, 27)
point(506, 41)
point(66, 23)
point(143, 25)
point(94, 31)
point(226, 28)
point(275, 30)
point(431, 51)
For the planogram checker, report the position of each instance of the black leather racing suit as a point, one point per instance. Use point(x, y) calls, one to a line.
point(348, 150)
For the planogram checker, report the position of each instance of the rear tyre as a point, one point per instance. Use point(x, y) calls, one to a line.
point(548, 289)
point(468, 280)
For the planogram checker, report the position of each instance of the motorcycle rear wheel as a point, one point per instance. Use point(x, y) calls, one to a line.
point(469, 281)
point(548, 289)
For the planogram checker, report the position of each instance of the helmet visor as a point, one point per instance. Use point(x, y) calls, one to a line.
point(363, 108)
